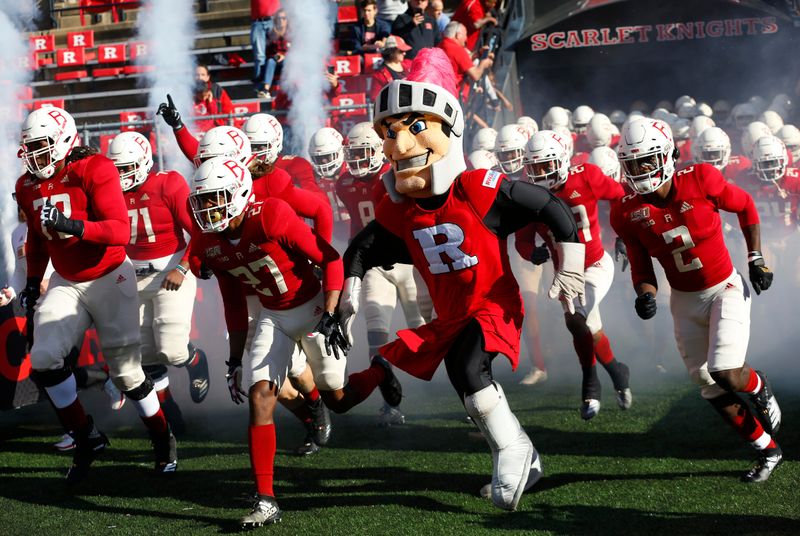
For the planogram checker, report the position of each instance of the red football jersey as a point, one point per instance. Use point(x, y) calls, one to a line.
point(579, 159)
point(360, 197)
point(301, 172)
point(685, 234)
point(466, 269)
point(585, 186)
point(328, 187)
point(738, 166)
point(159, 213)
point(306, 204)
point(274, 255)
point(87, 190)
point(776, 202)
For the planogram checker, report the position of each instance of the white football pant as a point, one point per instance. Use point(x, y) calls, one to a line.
point(165, 317)
point(598, 277)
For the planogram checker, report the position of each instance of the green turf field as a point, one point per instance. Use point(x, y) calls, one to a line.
point(667, 466)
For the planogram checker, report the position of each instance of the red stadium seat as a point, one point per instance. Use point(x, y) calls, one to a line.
point(136, 69)
point(84, 39)
point(346, 65)
point(71, 75)
point(105, 141)
point(371, 63)
point(347, 14)
point(129, 117)
point(107, 71)
point(355, 84)
point(245, 107)
point(97, 6)
point(58, 103)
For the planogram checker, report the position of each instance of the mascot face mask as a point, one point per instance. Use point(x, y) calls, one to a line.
point(413, 142)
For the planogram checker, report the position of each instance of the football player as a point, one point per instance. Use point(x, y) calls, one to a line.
point(674, 216)
point(361, 190)
point(326, 151)
point(509, 148)
point(159, 215)
point(264, 245)
point(580, 188)
point(77, 218)
point(452, 225)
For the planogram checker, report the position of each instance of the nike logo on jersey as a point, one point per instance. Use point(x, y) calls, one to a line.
point(574, 195)
point(685, 207)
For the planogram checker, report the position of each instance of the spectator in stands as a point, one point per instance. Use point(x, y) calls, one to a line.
point(475, 14)
point(276, 52)
point(209, 99)
point(395, 65)
point(416, 28)
point(388, 10)
point(370, 32)
point(261, 13)
point(436, 10)
point(453, 44)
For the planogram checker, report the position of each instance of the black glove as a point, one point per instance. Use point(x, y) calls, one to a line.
point(329, 327)
point(760, 276)
point(30, 294)
point(205, 272)
point(54, 219)
point(170, 114)
point(540, 255)
point(621, 252)
point(646, 306)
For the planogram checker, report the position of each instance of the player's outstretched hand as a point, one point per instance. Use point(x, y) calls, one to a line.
point(760, 275)
point(348, 306)
point(6, 295)
point(621, 252)
point(169, 112)
point(568, 282)
point(335, 341)
point(646, 306)
point(540, 255)
point(234, 379)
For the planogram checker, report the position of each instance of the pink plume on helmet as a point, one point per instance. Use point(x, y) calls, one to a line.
point(431, 65)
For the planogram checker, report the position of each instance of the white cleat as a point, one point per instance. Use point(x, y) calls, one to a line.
point(533, 377)
point(536, 472)
point(390, 416)
point(116, 396)
point(589, 409)
point(624, 398)
point(66, 443)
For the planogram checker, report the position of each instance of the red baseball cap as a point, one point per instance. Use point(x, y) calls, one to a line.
point(395, 41)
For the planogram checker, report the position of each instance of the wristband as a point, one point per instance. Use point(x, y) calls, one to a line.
point(182, 270)
point(754, 256)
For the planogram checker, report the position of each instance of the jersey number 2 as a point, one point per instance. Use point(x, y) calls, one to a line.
point(682, 232)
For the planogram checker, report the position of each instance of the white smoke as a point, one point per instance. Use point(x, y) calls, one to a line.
point(304, 71)
point(15, 18)
point(168, 27)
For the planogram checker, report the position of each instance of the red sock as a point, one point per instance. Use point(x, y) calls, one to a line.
point(163, 395)
point(753, 383)
point(262, 456)
point(312, 396)
point(602, 351)
point(584, 347)
point(745, 423)
point(364, 382)
point(73, 417)
point(157, 424)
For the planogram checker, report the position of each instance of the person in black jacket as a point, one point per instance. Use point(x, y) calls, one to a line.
point(416, 28)
point(370, 32)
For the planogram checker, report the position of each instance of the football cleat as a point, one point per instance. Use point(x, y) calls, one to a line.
point(590, 408)
point(197, 367)
point(320, 427)
point(590, 393)
point(165, 451)
point(87, 449)
point(309, 445)
point(536, 472)
point(265, 512)
point(760, 472)
point(766, 406)
point(66, 443)
point(535, 376)
point(390, 387)
point(116, 396)
point(389, 416)
point(621, 378)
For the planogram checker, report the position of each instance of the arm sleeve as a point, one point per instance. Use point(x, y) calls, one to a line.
point(186, 142)
point(374, 246)
point(729, 197)
point(299, 237)
point(519, 203)
point(525, 241)
point(234, 301)
point(112, 228)
point(310, 205)
point(176, 195)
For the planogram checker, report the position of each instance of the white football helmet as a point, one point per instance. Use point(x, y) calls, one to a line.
point(703, 108)
point(699, 124)
point(681, 129)
point(790, 136)
point(600, 131)
point(662, 114)
point(556, 116)
point(617, 117)
point(684, 99)
point(133, 156)
point(687, 111)
point(581, 117)
point(566, 136)
point(326, 150)
point(529, 125)
point(363, 150)
point(48, 135)
point(754, 131)
point(646, 152)
point(484, 139)
point(509, 148)
point(743, 114)
point(606, 159)
point(224, 141)
point(667, 105)
point(772, 119)
point(483, 159)
point(758, 102)
point(712, 146)
point(266, 136)
point(769, 159)
point(547, 159)
point(220, 190)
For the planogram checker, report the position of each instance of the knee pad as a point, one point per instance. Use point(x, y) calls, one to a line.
point(489, 409)
point(140, 392)
point(49, 378)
